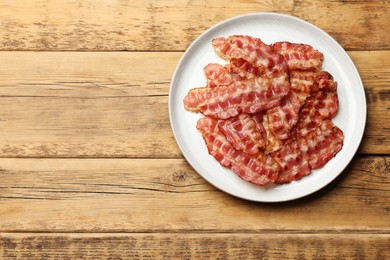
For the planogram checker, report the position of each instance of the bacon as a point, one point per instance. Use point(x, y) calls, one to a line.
point(268, 111)
point(216, 143)
point(244, 69)
point(305, 82)
point(282, 118)
point(325, 82)
point(322, 144)
point(259, 170)
point(297, 157)
point(299, 56)
point(237, 69)
point(254, 51)
point(249, 96)
point(218, 75)
point(241, 131)
point(319, 106)
point(272, 143)
point(294, 164)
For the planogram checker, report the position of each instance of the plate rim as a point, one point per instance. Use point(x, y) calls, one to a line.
point(359, 136)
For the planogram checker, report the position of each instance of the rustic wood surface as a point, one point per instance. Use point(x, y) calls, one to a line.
point(90, 168)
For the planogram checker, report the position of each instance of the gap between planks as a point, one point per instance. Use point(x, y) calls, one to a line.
point(208, 231)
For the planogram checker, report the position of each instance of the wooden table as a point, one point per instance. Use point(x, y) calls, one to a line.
point(90, 168)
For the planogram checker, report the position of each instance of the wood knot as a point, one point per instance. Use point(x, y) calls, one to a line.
point(181, 176)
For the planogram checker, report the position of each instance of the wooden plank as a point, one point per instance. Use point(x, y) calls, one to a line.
point(72, 104)
point(146, 195)
point(173, 25)
point(378, 100)
point(194, 246)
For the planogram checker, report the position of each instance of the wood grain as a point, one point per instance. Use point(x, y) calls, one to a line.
point(194, 246)
point(144, 195)
point(172, 25)
point(89, 167)
point(108, 104)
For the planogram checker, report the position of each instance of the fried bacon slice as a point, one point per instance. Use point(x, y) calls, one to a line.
point(218, 75)
point(217, 144)
point(299, 56)
point(254, 51)
point(241, 131)
point(297, 157)
point(322, 144)
point(305, 82)
point(259, 169)
point(294, 164)
point(282, 118)
point(244, 69)
point(249, 96)
point(321, 105)
point(237, 69)
point(272, 143)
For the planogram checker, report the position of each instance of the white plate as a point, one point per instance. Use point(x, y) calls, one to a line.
point(269, 27)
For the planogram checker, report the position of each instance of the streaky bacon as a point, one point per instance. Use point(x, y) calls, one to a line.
point(244, 69)
point(297, 157)
point(282, 118)
point(326, 82)
point(294, 164)
point(254, 51)
point(249, 96)
point(299, 56)
point(322, 144)
point(217, 145)
point(255, 123)
point(237, 69)
point(272, 143)
point(305, 82)
point(218, 75)
point(241, 131)
point(321, 105)
point(259, 169)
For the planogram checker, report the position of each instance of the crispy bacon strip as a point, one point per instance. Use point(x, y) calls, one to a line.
point(322, 144)
point(297, 157)
point(254, 51)
point(216, 143)
point(259, 169)
point(282, 118)
point(249, 96)
point(237, 69)
point(244, 69)
point(321, 105)
point(299, 56)
point(326, 82)
point(305, 82)
point(241, 131)
point(272, 143)
point(294, 164)
point(218, 75)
